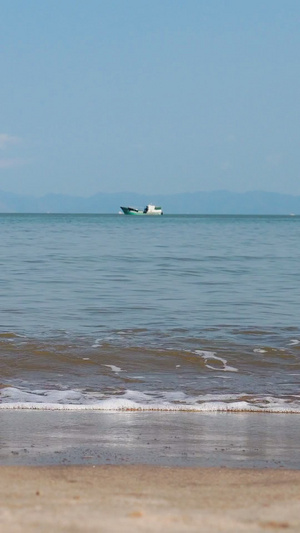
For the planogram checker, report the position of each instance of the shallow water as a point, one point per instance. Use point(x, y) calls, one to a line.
point(173, 312)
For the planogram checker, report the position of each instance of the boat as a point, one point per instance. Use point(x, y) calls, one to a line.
point(150, 209)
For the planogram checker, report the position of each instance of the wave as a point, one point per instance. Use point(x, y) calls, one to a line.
point(129, 400)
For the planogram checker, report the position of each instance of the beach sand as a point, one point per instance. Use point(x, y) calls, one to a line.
point(148, 472)
point(148, 498)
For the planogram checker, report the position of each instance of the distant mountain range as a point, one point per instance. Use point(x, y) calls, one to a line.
point(216, 202)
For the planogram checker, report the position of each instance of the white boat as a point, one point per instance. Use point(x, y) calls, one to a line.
point(150, 209)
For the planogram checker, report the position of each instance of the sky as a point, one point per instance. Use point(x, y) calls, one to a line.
point(149, 96)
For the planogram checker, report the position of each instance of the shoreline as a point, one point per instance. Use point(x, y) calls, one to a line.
point(148, 499)
point(173, 439)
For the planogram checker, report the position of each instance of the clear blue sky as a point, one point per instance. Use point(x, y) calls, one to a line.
point(149, 96)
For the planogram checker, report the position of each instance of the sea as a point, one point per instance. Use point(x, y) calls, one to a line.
point(169, 313)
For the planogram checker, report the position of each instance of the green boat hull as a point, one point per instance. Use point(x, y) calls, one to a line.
point(130, 211)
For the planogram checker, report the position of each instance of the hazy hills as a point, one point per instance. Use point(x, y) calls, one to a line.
point(216, 202)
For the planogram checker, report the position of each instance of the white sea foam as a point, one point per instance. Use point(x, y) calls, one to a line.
point(97, 343)
point(115, 369)
point(294, 342)
point(207, 356)
point(259, 350)
point(14, 398)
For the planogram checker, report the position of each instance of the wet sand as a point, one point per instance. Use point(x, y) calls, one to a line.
point(243, 440)
point(149, 472)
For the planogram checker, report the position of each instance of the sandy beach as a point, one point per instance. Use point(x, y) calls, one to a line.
point(146, 498)
point(148, 472)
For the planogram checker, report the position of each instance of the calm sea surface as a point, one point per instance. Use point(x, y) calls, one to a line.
point(173, 312)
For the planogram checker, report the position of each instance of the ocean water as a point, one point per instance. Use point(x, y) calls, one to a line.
point(191, 313)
